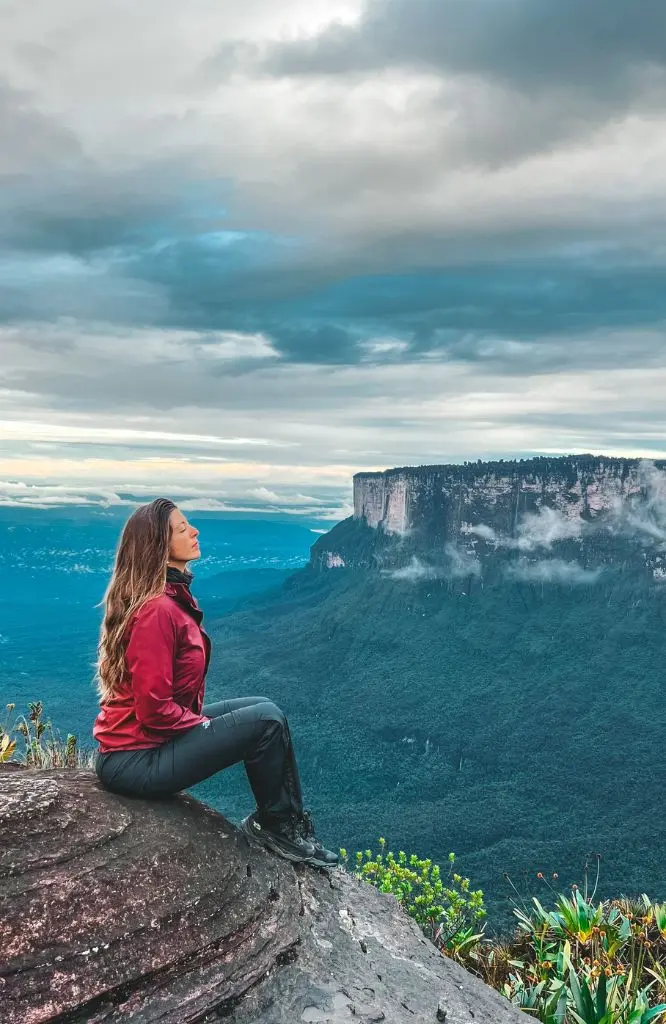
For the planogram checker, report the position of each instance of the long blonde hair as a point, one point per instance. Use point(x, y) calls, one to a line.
point(139, 573)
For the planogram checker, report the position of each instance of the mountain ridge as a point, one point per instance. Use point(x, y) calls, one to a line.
point(597, 510)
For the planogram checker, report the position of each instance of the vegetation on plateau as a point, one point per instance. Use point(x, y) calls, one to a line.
point(36, 744)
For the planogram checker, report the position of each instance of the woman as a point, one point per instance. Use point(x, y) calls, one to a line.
point(155, 734)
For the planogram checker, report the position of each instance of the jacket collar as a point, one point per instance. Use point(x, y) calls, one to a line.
point(182, 595)
point(174, 575)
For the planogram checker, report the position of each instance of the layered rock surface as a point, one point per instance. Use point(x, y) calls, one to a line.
point(122, 910)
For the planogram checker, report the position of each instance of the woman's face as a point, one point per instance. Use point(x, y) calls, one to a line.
point(183, 543)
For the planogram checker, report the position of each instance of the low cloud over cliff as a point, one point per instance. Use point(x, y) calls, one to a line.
point(552, 570)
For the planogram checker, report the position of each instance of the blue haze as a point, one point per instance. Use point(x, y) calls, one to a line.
point(55, 565)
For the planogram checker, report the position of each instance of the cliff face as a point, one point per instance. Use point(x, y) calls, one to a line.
point(515, 505)
point(492, 493)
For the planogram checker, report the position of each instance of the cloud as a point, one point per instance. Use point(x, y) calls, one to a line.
point(30, 137)
point(485, 532)
point(347, 234)
point(325, 343)
point(643, 516)
point(213, 505)
point(653, 520)
point(608, 54)
point(266, 495)
point(21, 494)
point(639, 516)
point(533, 43)
point(305, 429)
point(535, 530)
point(545, 528)
point(459, 563)
point(415, 571)
point(552, 570)
point(18, 493)
point(127, 436)
point(263, 494)
point(333, 515)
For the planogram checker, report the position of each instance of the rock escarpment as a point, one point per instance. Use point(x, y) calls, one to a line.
point(122, 910)
point(609, 511)
point(496, 493)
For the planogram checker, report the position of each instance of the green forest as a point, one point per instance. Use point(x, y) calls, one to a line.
point(519, 725)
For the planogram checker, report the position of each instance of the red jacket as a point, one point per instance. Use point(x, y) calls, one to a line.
point(167, 655)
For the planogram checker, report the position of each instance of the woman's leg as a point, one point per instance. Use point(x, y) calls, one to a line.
point(257, 734)
point(223, 707)
point(110, 766)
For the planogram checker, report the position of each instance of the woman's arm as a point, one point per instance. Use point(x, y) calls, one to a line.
point(149, 655)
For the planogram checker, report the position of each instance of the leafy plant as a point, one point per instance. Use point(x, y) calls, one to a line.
point(34, 742)
point(582, 963)
point(446, 911)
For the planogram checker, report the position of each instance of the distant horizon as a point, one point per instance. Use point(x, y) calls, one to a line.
point(333, 507)
point(123, 509)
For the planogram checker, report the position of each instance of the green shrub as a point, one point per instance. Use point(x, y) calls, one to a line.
point(585, 964)
point(35, 743)
point(447, 912)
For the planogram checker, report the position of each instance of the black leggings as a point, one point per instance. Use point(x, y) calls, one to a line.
point(249, 729)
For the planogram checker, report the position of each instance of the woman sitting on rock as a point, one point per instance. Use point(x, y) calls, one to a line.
point(155, 734)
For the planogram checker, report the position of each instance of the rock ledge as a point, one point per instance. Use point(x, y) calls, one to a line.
point(118, 910)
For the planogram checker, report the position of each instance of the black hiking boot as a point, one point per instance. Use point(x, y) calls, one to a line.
point(284, 836)
point(322, 858)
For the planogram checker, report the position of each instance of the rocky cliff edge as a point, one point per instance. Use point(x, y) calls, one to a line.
point(117, 909)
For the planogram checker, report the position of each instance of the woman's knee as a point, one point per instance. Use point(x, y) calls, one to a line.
point(269, 711)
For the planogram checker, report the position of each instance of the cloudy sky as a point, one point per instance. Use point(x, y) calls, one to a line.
point(249, 248)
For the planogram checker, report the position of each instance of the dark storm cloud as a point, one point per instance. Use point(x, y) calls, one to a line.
point(453, 311)
point(87, 209)
point(157, 240)
point(325, 343)
point(598, 47)
point(464, 313)
point(56, 198)
point(534, 71)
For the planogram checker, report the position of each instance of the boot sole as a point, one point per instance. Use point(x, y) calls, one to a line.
point(321, 863)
